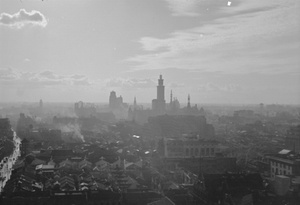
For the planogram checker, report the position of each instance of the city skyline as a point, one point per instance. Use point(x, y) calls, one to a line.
point(243, 52)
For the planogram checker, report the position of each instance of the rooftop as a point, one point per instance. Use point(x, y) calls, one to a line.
point(286, 154)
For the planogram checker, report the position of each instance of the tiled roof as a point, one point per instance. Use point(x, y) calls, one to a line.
point(163, 201)
point(62, 152)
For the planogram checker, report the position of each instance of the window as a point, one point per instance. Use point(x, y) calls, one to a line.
point(212, 151)
point(202, 151)
point(196, 151)
point(187, 152)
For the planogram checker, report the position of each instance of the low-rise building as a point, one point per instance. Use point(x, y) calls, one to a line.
point(188, 147)
point(292, 141)
point(286, 163)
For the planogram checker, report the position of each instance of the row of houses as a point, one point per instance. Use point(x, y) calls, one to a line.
point(84, 164)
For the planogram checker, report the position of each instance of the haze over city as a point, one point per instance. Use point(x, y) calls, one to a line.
point(239, 51)
point(148, 102)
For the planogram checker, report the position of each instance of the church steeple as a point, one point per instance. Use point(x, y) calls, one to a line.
point(189, 101)
point(134, 104)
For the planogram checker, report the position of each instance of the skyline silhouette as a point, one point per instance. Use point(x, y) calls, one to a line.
point(243, 52)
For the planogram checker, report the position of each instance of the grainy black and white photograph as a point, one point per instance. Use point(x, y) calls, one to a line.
point(149, 102)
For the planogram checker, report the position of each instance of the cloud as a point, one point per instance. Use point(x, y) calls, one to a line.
point(11, 77)
point(78, 77)
point(49, 75)
point(213, 87)
point(82, 82)
point(176, 85)
point(22, 18)
point(193, 8)
point(7, 74)
point(183, 7)
point(248, 36)
point(130, 83)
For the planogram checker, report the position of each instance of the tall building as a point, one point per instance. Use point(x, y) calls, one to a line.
point(159, 104)
point(161, 89)
point(114, 101)
point(117, 106)
point(160, 107)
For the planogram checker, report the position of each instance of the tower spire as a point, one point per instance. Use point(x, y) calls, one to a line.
point(189, 101)
point(134, 103)
point(159, 104)
point(160, 89)
point(171, 97)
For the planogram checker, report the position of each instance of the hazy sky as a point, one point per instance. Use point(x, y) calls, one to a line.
point(242, 51)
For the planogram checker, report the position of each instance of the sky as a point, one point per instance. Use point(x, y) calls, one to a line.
point(218, 51)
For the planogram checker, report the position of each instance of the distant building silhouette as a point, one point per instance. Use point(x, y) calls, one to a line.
point(114, 101)
point(174, 107)
point(189, 146)
point(177, 125)
point(159, 104)
point(41, 103)
point(84, 109)
point(117, 106)
point(136, 112)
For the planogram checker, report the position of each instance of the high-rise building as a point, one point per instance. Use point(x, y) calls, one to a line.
point(161, 89)
point(159, 104)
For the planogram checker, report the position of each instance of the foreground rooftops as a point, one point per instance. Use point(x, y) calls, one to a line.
point(286, 155)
